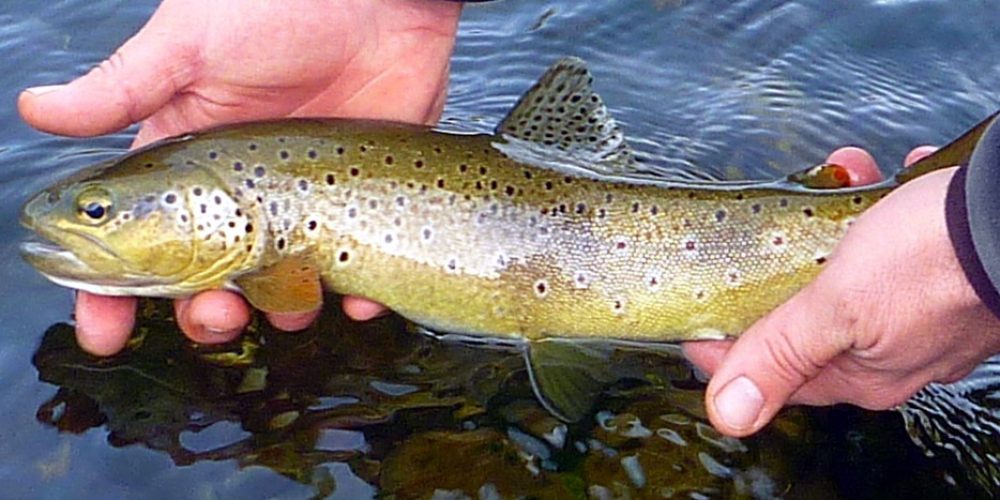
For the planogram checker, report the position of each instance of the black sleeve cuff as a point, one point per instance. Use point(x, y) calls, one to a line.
point(957, 219)
point(972, 212)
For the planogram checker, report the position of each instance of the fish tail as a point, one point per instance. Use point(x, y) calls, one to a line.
point(954, 154)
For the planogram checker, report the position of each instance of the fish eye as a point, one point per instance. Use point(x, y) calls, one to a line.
point(94, 206)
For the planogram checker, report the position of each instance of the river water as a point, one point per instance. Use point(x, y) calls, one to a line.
point(746, 89)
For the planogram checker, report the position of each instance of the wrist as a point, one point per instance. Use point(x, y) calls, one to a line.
point(960, 234)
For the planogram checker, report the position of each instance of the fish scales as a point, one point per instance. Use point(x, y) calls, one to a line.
point(457, 237)
point(548, 228)
point(547, 232)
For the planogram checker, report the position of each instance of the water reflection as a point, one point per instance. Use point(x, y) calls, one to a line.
point(418, 417)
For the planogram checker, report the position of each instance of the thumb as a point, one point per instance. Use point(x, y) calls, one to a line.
point(140, 78)
point(771, 361)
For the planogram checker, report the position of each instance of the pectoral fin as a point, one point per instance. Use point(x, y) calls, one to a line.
point(289, 286)
point(567, 376)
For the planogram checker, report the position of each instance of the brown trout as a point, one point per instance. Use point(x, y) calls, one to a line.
point(547, 229)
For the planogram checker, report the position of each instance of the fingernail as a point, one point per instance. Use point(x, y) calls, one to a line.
point(43, 89)
point(220, 332)
point(739, 403)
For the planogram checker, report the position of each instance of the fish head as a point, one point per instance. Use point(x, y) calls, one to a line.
point(137, 226)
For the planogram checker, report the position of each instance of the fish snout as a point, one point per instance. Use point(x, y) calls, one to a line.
point(37, 206)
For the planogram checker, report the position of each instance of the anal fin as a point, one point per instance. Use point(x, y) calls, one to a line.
point(568, 377)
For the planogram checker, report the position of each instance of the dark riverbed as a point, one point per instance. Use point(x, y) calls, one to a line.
point(745, 89)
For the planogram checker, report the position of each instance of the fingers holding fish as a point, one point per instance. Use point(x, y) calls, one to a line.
point(212, 317)
point(362, 309)
point(103, 324)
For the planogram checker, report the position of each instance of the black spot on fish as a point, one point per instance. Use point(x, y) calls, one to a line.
point(303, 185)
point(311, 225)
point(418, 163)
point(250, 184)
point(344, 256)
point(217, 200)
point(755, 208)
point(821, 260)
point(252, 147)
point(248, 228)
point(549, 186)
point(352, 212)
point(238, 166)
point(581, 208)
point(653, 210)
point(212, 155)
point(355, 171)
point(783, 202)
point(170, 198)
point(149, 165)
point(808, 212)
point(440, 183)
point(739, 196)
point(602, 213)
point(281, 243)
point(857, 200)
point(363, 148)
point(373, 204)
point(330, 180)
point(635, 208)
point(197, 191)
point(527, 174)
point(389, 160)
point(463, 168)
point(259, 171)
point(340, 150)
point(720, 215)
point(312, 154)
point(493, 185)
point(284, 155)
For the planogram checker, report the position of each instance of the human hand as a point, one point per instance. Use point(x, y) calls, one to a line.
point(197, 64)
point(891, 312)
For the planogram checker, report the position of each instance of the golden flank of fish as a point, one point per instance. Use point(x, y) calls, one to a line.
point(547, 230)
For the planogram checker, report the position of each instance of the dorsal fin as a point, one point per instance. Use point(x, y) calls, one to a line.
point(561, 121)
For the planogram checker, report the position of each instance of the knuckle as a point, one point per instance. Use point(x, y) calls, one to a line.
point(789, 361)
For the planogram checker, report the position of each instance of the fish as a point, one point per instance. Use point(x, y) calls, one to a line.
point(547, 233)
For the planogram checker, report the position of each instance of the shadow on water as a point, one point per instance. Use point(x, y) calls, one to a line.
point(418, 416)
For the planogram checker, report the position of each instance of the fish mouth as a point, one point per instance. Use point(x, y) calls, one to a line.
point(64, 267)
